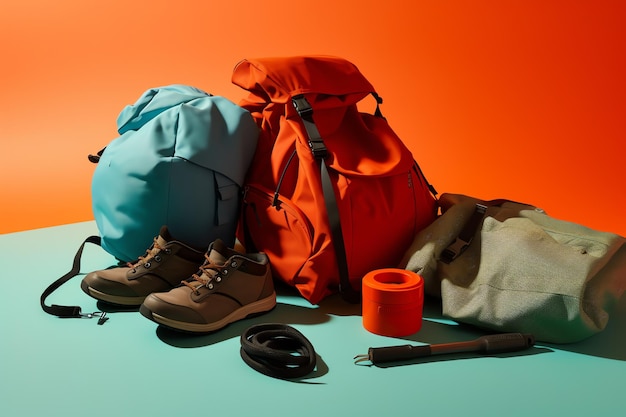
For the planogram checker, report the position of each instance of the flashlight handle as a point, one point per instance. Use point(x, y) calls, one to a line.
point(397, 353)
point(497, 343)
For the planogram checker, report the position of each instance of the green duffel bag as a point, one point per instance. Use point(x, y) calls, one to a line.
point(510, 267)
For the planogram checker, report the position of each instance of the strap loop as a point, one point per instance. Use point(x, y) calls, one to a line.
point(462, 241)
point(71, 311)
point(277, 350)
point(305, 111)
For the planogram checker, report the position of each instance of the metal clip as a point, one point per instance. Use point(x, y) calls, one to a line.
point(363, 358)
point(101, 315)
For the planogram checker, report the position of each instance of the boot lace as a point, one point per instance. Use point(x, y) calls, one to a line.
point(209, 271)
point(150, 254)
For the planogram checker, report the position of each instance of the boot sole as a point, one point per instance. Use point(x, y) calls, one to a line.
point(262, 306)
point(112, 299)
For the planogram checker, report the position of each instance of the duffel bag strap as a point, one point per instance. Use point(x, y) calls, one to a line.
point(71, 311)
point(462, 241)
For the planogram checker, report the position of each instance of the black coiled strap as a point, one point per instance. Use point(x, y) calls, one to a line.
point(277, 350)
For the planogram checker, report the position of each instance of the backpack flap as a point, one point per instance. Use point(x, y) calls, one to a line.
point(154, 102)
point(218, 135)
point(367, 146)
point(212, 127)
point(326, 80)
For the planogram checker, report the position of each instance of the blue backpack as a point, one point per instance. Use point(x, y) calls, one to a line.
point(180, 161)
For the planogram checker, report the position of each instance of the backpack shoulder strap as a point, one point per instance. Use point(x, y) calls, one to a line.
point(318, 148)
point(71, 311)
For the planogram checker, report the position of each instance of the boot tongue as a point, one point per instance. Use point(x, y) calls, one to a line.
point(161, 242)
point(162, 239)
point(165, 233)
point(216, 257)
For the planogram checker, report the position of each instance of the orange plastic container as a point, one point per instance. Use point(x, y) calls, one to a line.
point(393, 301)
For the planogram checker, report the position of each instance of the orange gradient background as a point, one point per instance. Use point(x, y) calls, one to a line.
point(518, 99)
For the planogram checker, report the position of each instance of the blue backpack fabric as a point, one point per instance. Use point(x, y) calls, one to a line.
point(180, 161)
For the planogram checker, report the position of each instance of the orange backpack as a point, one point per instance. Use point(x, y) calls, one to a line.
point(332, 192)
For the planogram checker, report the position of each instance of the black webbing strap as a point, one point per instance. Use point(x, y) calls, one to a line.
point(96, 158)
point(462, 241)
point(379, 101)
point(316, 143)
point(71, 311)
point(345, 288)
point(277, 350)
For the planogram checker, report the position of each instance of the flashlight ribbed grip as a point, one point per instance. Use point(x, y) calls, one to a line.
point(506, 342)
point(398, 353)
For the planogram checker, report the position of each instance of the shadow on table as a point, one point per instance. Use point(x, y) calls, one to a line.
point(284, 313)
point(611, 343)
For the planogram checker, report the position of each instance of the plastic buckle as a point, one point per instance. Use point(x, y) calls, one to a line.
point(302, 105)
point(304, 109)
point(457, 247)
point(318, 149)
point(450, 253)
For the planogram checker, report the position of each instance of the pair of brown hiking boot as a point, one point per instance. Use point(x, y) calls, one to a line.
point(186, 289)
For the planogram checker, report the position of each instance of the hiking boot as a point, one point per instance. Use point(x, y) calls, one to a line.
point(164, 265)
point(230, 286)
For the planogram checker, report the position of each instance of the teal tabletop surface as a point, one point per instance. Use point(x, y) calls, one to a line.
point(131, 367)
